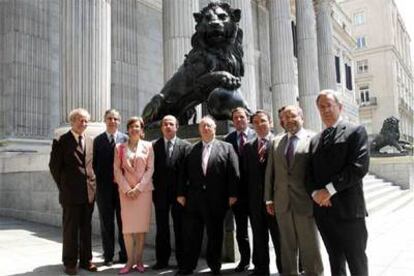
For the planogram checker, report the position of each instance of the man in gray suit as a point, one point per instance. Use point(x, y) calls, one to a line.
point(286, 195)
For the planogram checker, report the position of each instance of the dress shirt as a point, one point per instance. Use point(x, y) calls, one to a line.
point(109, 136)
point(77, 139)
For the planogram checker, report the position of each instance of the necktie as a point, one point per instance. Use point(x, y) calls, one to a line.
point(290, 150)
point(169, 148)
point(242, 140)
point(327, 135)
point(262, 150)
point(112, 139)
point(205, 156)
point(80, 143)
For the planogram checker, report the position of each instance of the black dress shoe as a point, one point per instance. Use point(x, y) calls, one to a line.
point(184, 272)
point(159, 266)
point(241, 267)
point(89, 267)
point(108, 263)
point(70, 270)
point(259, 273)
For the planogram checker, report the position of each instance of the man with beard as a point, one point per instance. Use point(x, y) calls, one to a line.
point(287, 198)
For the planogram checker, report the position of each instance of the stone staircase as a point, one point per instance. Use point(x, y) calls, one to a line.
point(384, 197)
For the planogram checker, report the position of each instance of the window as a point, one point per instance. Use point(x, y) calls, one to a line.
point(361, 42)
point(362, 66)
point(348, 77)
point(359, 18)
point(337, 69)
point(364, 94)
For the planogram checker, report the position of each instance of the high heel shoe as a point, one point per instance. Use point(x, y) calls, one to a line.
point(125, 270)
point(140, 268)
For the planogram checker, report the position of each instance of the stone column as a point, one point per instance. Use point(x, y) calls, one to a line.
point(248, 87)
point(308, 75)
point(29, 82)
point(85, 57)
point(326, 59)
point(284, 88)
point(178, 27)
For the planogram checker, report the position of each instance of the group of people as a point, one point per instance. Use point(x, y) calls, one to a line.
point(292, 186)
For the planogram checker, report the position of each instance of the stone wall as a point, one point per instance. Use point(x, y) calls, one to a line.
point(28, 192)
point(399, 170)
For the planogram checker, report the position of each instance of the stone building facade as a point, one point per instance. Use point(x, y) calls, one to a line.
point(383, 67)
point(56, 55)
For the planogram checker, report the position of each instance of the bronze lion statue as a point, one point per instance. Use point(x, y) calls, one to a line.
point(389, 136)
point(211, 72)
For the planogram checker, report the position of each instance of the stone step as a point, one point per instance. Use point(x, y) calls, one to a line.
point(403, 199)
point(390, 198)
point(379, 191)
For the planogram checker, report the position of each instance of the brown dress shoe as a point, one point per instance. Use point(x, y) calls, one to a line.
point(89, 267)
point(70, 270)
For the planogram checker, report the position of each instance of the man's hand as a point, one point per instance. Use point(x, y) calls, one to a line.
point(181, 200)
point(232, 200)
point(270, 209)
point(322, 198)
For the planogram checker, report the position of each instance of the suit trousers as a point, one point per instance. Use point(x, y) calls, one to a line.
point(162, 238)
point(262, 223)
point(345, 241)
point(197, 215)
point(241, 211)
point(299, 235)
point(110, 208)
point(77, 219)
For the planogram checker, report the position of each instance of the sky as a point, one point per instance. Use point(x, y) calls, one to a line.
point(406, 9)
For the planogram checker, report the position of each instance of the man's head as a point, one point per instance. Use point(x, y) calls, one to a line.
point(239, 117)
point(207, 129)
point(79, 119)
point(292, 118)
point(261, 121)
point(169, 127)
point(330, 106)
point(112, 120)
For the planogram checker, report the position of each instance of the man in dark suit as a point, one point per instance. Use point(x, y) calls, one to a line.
point(71, 168)
point(238, 138)
point(255, 160)
point(107, 196)
point(169, 153)
point(339, 161)
point(208, 188)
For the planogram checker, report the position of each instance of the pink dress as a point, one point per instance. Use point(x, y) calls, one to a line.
point(135, 169)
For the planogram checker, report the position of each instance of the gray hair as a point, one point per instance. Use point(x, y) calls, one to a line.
point(112, 111)
point(295, 107)
point(330, 92)
point(208, 118)
point(78, 112)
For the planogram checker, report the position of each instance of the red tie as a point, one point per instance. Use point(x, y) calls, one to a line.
point(241, 142)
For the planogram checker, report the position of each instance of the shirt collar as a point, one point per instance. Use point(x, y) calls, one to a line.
point(337, 122)
point(267, 137)
point(77, 135)
point(109, 135)
point(172, 140)
point(244, 132)
point(207, 144)
point(300, 134)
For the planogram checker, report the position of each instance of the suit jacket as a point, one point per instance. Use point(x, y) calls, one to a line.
point(254, 172)
point(72, 170)
point(232, 139)
point(134, 171)
point(166, 174)
point(222, 176)
point(103, 161)
point(343, 162)
point(285, 185)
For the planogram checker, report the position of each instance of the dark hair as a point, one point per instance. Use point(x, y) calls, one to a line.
point(260, 111)
point(239, 109)
point(135, 119)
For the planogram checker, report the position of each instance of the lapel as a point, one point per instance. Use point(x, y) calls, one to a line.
point(161, 149)
point(256, 149)
point(281, 149)
point(176, 149)
point(78, 153)
point(213, 153)
point(339, 132)
point(88, 150)
point(300, 146)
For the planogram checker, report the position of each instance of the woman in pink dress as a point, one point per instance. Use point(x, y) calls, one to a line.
point(133, 168)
